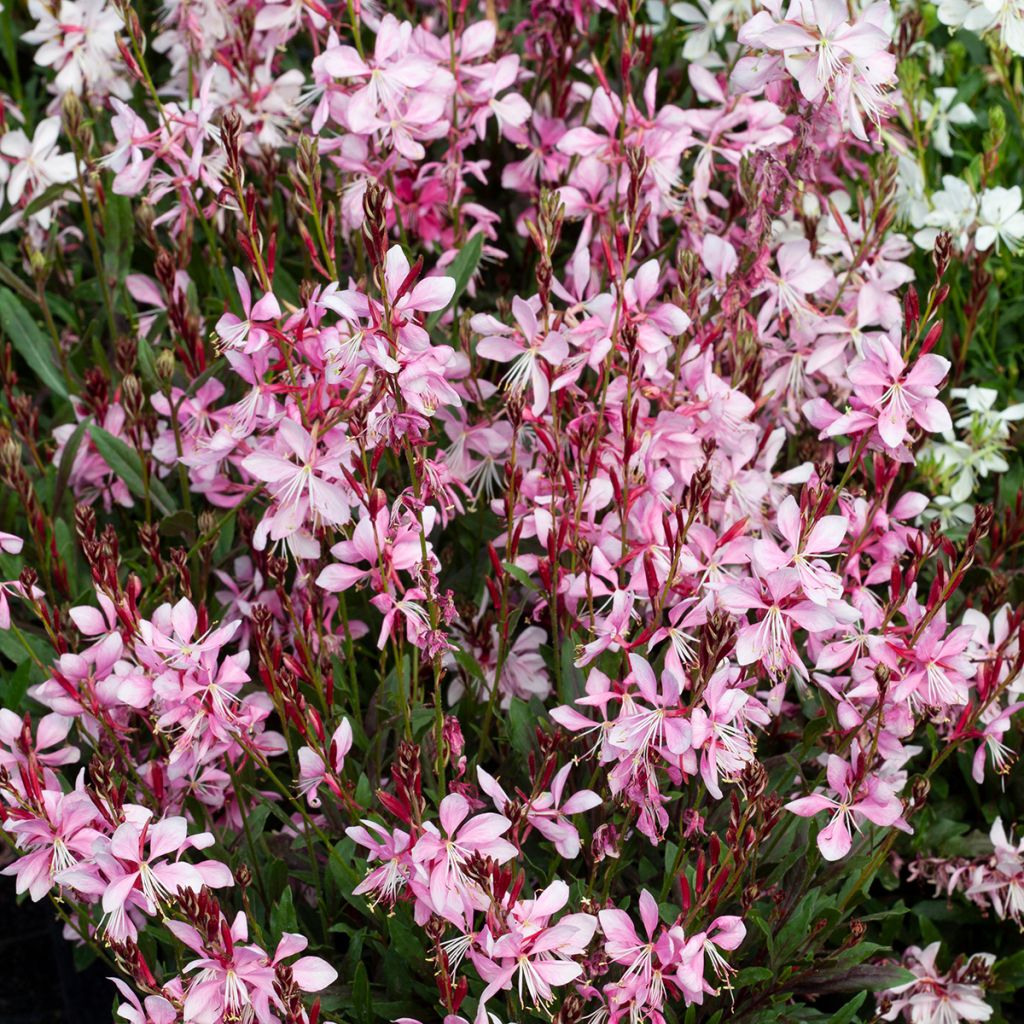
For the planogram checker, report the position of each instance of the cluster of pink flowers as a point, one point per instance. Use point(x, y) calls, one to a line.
point(542, 435)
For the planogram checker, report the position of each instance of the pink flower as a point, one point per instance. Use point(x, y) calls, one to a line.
point(237, 982)
point(171, 635)
point(533, 954)
point(770, 639)
point(873, 801)
point(445, 852)
point(895, 395)
point(817, 581)
point(248, 334)
point(313, 768)
point(302, 490)
point(388, 880)
point(526, 349)
point(51, 842)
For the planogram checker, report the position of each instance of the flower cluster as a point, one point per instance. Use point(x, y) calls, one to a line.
point(522, 514)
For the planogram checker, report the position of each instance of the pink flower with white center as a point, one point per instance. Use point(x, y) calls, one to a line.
point(55, 839)
point(524, 673)
point(939, 667)
point(799, 275)
point(388, 78)
point(896, 395)
point(872, 800)
point(527, 349)
point(422, 381)
point(817, 41)
point(171, 635)
point(649, 962)
point(657, 323)
point(726, 932)
point(769, 640)
point(1002, 879)
point(661, 725)
point(444, 852)
point(719, 729)
point(510, 110)
point(302, 483)
point(934, 997)
point(406, 297)
point(996, 722)
point(818, 582)
point(139, 875)
point(386, 544)
point(534, 955)
point(237, 982)
point(132, 167)
point(410, 609)
point(313, 768)
point(151, 1010)
point(610, 630)
point(249, 334)
point(388, 880)
point(547, 813)
point(45, 748)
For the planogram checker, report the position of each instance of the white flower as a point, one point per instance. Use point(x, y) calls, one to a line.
point(954, 209)
point(985, 435)
point(708, 21)
point(983, 15)
point(1009, 14)
point(37, 164)
point(949, 512)
point(970, 14)
point(78, 38)
point(911, 200)
point(943, 113)
point(1000, 219)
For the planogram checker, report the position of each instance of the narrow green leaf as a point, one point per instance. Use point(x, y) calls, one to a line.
point(125, 463)
point(119, 236)
point(15, 685)
point(67, 462)
point(362, 1001)
point(30, 342)
point(846, 1014)
point(462, 269)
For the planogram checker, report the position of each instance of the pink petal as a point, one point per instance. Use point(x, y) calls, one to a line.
point(312, 973)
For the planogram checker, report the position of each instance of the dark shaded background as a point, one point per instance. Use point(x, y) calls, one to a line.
point(38, 980)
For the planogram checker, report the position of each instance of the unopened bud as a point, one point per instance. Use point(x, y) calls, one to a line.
point(165, 365)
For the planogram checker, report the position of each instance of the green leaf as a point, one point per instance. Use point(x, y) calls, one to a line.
point(519, 574)
point(147, 363)
point(282, 914)
point(869, 977)
point(30, 342)
point(520, 726)
point(362, 1001)
point(1010, 971)
point(14, 686)
point(462, 269)
point(752, 976)
point(119, 236)
point(846, 1014)
point(127, 465)
point(179, 524)
point(466, 661)
point(67, 462)
point(47, 196)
